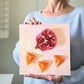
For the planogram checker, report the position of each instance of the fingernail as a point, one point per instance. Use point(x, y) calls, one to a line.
point(40, 23)
point(32, 23)
point(25, 22)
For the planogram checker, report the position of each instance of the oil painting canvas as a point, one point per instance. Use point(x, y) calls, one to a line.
point(45, 49)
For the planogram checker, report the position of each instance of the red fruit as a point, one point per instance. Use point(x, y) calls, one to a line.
point(46, 40)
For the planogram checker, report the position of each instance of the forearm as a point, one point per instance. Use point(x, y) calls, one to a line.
point(76, 76)
point(16, 53)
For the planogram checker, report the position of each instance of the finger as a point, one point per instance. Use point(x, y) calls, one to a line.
point(49, 77)
point(25, 23)
point(33, 76)
point(39, 22)
point(55, 78)
point(42, 77)
point(27, 75)
point(29, 21)
point(33, 20)
point(58, 79)
point(38, 76)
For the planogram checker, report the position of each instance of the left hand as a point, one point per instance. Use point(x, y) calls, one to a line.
point(54, 78)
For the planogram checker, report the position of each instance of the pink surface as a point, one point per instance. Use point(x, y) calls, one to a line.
point(28, 35)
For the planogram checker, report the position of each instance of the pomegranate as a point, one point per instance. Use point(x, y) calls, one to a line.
point(46, 40)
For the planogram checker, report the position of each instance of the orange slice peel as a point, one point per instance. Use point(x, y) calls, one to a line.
point(43, 65)
point(59, 60)
point(30, 57)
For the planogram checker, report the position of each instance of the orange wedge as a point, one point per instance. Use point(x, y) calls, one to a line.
point(29, 57)
point(43, 65)
point(59, 60)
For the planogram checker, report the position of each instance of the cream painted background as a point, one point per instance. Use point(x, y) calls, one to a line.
point(18, 10)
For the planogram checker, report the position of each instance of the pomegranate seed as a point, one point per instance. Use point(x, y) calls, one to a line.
point(51, 44)
point(40, 40)
point(50, 39)
point(47, 43)
point(46, 37)
point(43, 46)
point(50, 33)
point(44, 33)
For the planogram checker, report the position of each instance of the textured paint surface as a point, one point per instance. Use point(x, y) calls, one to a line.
point(28, 35)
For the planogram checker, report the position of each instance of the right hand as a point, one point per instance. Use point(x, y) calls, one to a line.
point(32, 21)
point(54, 78)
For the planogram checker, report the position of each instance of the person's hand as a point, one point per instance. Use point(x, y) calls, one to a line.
point(54, 78)
point(32, 21)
